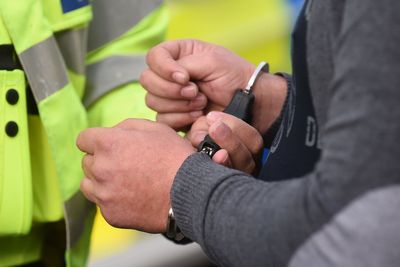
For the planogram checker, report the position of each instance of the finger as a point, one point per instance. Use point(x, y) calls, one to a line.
point(178, 121)
point(208, 60)
point(196, 138)
point(222, 157)
point(198, 131)
point(240, 157)
point(202, 69)
point(246, 133)
point(190, 91)
point(165, 105)
point(88, 139)
point(161, 87)
point(87, 188)
point(199, 65)
point(162, 59)
point(87, 165)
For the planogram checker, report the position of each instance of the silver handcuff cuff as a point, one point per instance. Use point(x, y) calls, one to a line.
point(173, 232)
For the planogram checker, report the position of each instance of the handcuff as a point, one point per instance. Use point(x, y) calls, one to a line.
point(173, 232)
point(240, 106)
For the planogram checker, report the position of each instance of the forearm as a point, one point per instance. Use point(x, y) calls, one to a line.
point(240, 221)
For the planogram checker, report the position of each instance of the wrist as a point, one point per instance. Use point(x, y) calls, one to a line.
point(270, 93)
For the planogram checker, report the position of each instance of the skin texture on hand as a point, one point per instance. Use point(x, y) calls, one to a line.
point(241, 143)
point(188, 77)
point(129, 170)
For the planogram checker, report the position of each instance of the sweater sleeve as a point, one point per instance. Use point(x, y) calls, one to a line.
point(240, 221)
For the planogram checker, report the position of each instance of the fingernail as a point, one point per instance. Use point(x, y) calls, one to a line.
point(199, 102)
point(196, 114)
point(189, 91)
point(219, 129)
point(179, 77)
point(213, 116)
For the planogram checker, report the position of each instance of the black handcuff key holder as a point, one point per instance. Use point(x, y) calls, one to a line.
point(240, 106)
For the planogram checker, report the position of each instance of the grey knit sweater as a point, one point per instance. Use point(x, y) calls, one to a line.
point(353, 61)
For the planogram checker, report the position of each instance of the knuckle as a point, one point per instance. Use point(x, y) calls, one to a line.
point(150, 101)
point(150, 54)
point(108, 146)
point(84, 185)
point(80, 138)
point(87, 162)
point(104, 197)
point(143, 78)
point(97, 171)
point(103, 142)
point(102, 171)
point(257, 144)
point(108, 216)
point(250, 166)
point(124, 123)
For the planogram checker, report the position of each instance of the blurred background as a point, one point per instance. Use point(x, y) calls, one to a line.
point(258, 30)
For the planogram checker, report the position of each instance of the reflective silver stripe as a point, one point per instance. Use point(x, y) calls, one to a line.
point(73, 46)
point(113, 18)
point(77, 209)
point(110, 73)
point(45, 68)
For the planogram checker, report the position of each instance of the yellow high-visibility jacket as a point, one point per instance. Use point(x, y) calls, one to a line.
point(74, 64)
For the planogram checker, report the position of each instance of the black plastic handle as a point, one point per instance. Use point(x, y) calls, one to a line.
point(240, 107)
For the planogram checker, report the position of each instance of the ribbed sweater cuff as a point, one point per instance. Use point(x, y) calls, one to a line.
point(191, 191)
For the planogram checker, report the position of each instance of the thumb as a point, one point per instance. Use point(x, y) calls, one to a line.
point(162, 59)
point(200, 66)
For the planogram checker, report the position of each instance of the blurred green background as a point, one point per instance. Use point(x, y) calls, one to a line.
point(255, 29)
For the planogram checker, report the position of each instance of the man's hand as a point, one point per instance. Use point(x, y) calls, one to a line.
point(187, 78)
point(129, 170)
point(241, 144)
point(184, 76)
